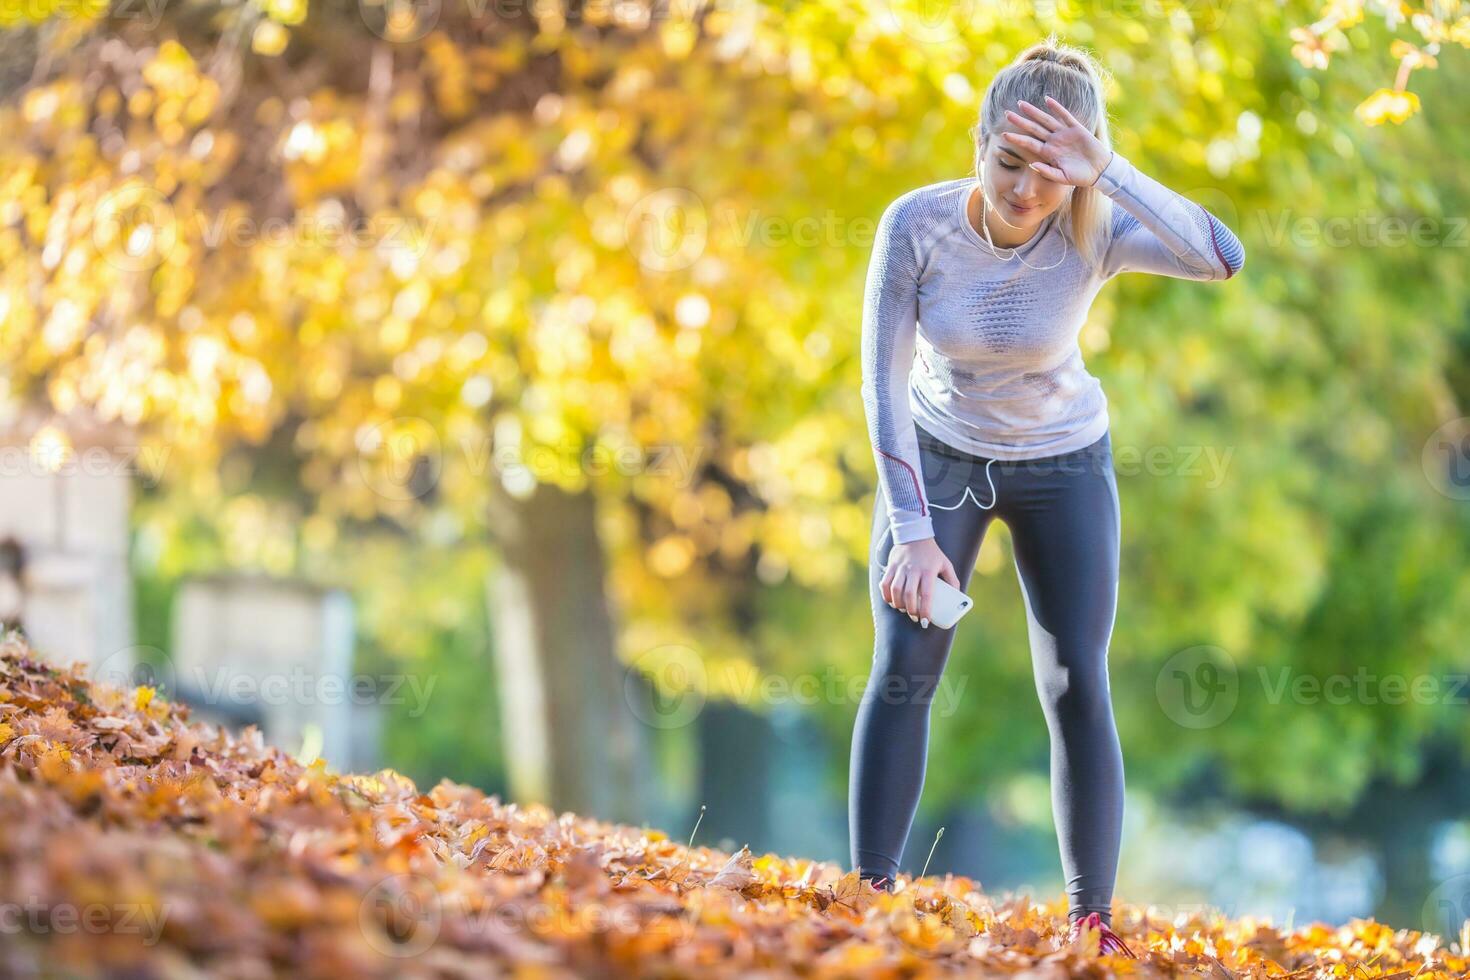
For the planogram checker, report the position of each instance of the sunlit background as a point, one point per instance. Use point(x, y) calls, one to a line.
point(472, 389)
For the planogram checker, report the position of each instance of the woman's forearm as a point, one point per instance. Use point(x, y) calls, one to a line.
point(890, 319)
point(1169, 234)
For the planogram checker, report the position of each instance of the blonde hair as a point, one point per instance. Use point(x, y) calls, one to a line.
point(1075, 79)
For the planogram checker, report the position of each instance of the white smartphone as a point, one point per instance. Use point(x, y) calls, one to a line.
point(948, 605)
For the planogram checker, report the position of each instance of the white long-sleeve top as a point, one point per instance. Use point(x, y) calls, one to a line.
point(998, 371)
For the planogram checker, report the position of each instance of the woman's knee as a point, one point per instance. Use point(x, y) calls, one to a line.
point(1076, 690)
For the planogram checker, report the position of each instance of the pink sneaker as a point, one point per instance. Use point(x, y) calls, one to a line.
point(1109, 942)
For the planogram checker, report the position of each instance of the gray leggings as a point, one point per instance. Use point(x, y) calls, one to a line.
point(1062, 512)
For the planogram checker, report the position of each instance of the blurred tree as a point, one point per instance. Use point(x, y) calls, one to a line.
point(1436, 22)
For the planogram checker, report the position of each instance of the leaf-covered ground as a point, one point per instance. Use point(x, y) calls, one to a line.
point(136, 843)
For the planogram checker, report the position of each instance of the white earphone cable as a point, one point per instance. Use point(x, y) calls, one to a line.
point(985, 229)
point(971, 494)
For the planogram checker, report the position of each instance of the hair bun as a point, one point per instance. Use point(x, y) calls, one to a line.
point(1066, 57)
point(1054, 50)
point(1043, 53)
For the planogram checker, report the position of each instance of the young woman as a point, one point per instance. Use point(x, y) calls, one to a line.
point(989, 279)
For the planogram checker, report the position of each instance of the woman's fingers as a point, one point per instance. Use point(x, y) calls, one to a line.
point(895, 589)
point(1029, 142)
point(1046, 151)
point(911, 590)
point(948, 574)
point(1026, 123)
point(911, 594)
point(1040, 115)
point(1050, 172)
point(1064, 112)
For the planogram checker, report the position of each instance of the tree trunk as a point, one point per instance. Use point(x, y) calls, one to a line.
point(571, 740)
point(735, 748)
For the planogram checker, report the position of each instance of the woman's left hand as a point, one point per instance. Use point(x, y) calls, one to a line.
point(1071, 154)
